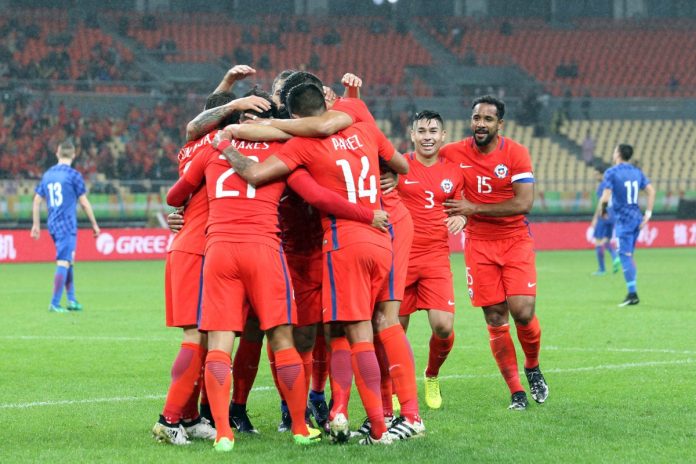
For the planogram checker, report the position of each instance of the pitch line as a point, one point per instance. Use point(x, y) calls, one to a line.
point(265, 388)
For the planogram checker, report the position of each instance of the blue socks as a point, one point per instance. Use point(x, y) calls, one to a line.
point(70, 284)
point(58, 284)
point(610, 248)
point(630, 272)
point(316, 396)
point(600, 257)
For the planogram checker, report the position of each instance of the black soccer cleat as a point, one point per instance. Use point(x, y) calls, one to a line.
point(320, 411)
point(630, 300)
point(518, 401)
point(537, 384)
point(285, 422)
point(239, 419)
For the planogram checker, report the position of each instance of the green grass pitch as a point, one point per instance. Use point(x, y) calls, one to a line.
point(88, 387)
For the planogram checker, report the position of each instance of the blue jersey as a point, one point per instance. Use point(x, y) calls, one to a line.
point(625, 180)
point(61, 186)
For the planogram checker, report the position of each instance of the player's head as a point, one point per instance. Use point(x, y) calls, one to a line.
point(305, 100)
point(216, 99)
point(623, 153)
point(278, 84)
point(66, 151)
point(427, 133)
point(486, 119)
point(599, 172)
point(270, 113)
point(295, 79)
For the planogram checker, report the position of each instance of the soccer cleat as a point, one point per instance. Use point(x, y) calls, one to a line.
point(200, 428)
point(224, 445)
point(630, 300)
point(616, 265)
point(313, 437)
point(599, 273)
point(385, 439)
point(396, 406)
point(239, 420)
point(537, 384)
point(166, 432)
point(320, 411)
point(403, 429)
point(285, 422)
point(518, 401)
point(74, 306)
point(366, 426)
point(57, 309)
point(433, 398)
point(339, 429)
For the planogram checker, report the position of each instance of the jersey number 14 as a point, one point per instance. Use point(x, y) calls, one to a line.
point(370, 192)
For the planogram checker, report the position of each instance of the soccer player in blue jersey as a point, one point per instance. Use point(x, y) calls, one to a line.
point(622, 182)
point(603, 226)
point(62, 187)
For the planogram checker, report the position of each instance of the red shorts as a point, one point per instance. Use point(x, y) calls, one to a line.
point(306, 272)
point(402, 237)
point(428, 286)
point(353, 277)
point(497, 269)
point(183, 274)
point(236, 272)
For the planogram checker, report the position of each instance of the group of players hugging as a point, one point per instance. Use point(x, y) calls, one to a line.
point(297, 220)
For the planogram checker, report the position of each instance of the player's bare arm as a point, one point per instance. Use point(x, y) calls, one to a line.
point(175, 220)
point(327, 124)
point(87, 207)
point(352, 84)
point(258, 132)
point(388, 181)
point(36, 217)
point(398, 163)
point(254, 173)
point(601, 209)
point(234, 74)
point(209, 119)
point(455, 224)
point(650, 191)
point(521, 203)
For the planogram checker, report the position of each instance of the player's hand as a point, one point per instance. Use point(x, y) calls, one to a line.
point(238, 72)
point(96, 230)
point(646, 218)
point(175, 220)
point(249, 118)
point(329, 95)
point(455, 224)
point(388, 182)
point(251, 103)
point(351, 80)
point(461, 207)
point(380, 220)
point(224, 134)
point(35, 232)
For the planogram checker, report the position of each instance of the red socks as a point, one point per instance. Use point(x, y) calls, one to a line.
point(291, 381)
point(341, 376)
point(530, 338)
point(306, 367)
point(386, 380)
point(320, 364)
point(402, 369)
point(244, 369)
point(367, 379)
point(504, 354)
point(218, 381)
point(186, 371)
point(439, 350)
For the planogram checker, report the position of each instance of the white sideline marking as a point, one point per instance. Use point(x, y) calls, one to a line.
point(419, 379)
point(89, 338)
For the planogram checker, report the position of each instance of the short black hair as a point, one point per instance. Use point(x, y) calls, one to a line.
point(428, 115)
point(270, 113)
point(282, 76)
point(216, 99)
point(295, 79)
point(491, 100)
point(306, 100)
point(625, 151)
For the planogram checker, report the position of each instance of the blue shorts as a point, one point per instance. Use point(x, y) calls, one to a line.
point(627, 235)
point(604, 229)
point(65, 246)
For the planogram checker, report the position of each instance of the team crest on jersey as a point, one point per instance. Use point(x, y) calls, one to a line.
point(446, 185)
point(501, 171)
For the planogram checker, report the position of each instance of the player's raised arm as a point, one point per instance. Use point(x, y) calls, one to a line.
point(234, 74)
point(352, 84)
point(87, 207)
point(209, 119)
point(36, 217)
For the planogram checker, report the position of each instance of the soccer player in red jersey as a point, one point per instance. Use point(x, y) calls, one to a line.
point(392, 346)
point(499, 251)
point(244, 262)
point(431, 180)
point(356, 256)
point(180, 419)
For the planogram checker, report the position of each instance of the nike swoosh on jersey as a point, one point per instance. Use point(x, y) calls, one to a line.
point(530, 284)
point(410, 182)
point(464, 166)
point(450, 302)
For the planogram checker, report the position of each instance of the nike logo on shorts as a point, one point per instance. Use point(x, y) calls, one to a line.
point(464, 166)
point(450, 302)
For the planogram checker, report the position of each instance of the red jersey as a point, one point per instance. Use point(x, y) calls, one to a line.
point(488, 178)
point(191, 238)
point(347, 163)
point(300, 225)
point(238, 212)
point(423, 191)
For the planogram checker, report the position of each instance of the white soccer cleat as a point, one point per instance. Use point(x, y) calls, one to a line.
point(200, 428)
point(339, 429)
point(174, 434)
point(403, 429)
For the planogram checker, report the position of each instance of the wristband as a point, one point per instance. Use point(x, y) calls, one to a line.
point(224, 144)
point(648, 214)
